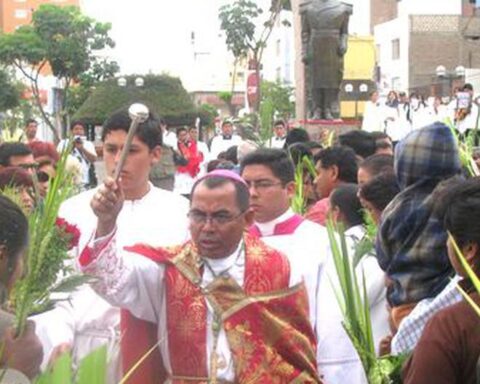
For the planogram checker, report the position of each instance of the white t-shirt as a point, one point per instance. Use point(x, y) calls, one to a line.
point(85, 164)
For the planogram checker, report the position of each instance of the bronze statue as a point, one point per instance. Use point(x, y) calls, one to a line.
point(324, 43)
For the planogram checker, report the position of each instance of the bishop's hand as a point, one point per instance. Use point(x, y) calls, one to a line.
point(107, 204)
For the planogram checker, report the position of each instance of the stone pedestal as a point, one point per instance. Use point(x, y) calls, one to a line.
point(320, 129)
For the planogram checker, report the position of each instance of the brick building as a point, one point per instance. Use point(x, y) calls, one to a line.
point(414, 38)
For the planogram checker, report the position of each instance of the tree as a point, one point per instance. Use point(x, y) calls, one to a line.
point(163, 94)
point(239, 21)
point(275, 104)
point(59, 38)
point(9, 92)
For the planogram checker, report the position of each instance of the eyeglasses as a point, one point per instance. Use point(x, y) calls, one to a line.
point(217, 219)
point(262, 184)
point(28, 166)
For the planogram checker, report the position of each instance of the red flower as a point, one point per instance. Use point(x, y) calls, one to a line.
point(70, 230)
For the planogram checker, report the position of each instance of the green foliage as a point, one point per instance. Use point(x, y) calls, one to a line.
point(367, 244)
point(61, 37)
point(303, 168)
point(163, 94)
point(91, 370)
point(275, 103)
point(9, 92)
point(47, 251)
point(465, 149)
point(353, 301)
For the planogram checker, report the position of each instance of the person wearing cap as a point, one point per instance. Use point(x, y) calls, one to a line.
point(224, 141)
point(152, 215)
point(224, 307)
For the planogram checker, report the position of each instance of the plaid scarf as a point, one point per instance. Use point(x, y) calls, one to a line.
point(411, 242)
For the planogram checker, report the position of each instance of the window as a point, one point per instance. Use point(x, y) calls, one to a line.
point(395, 49)
point(21, 13)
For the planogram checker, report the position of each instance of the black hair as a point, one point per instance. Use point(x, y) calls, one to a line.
point(298, 151)
point(232, 154)
point(277, 160)
point(8, 150)
point(13, 229)
point(148, 132)
point(360, 141)
point(30, 121)
point(280, 122)
point(241, 190)
point(296, 135)
point(462, 210)
point(313, 145)
point(78, 122)
point(380, 190)
point(181, 129)
point(344, 158)
point(467, 87)
point(377, 164)
point(379, 135)
point(345, 197)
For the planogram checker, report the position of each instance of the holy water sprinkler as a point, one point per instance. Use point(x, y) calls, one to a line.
point(138, 113)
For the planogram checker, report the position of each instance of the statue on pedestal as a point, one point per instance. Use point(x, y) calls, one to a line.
point(324, 44)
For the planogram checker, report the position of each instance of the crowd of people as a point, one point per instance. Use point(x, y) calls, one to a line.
point(225, 281)
point(400, 113)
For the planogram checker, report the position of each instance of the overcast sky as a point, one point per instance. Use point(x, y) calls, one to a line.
point(155, 35)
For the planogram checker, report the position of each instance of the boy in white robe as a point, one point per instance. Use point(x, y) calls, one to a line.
point(149, 215)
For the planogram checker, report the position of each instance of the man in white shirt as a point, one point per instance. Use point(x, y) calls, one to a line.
point(279, 135)
point(83, 150)
point(224, 141)
point(149, 214)
point(225, 308)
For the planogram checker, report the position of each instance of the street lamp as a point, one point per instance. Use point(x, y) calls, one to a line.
point(448, 77)
point(122, 82)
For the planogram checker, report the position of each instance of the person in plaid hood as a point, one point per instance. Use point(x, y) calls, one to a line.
point(411, 240)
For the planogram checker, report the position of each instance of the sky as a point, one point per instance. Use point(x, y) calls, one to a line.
point(155, 35)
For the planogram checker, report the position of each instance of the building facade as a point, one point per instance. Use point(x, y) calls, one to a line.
point(413, 38)
point(15, 13)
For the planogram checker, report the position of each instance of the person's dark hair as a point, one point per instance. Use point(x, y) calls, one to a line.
point(298, 151)
point(380, 190)
point(280, 122)
point(344, 158)
point(30, 121)
point(8, 150)
point(277, 160)
point(313, 145)
point(468, 87)
point(345, 197)
point(231, 154)
point(15, 177)
point(148, 132)
point(462, 210)
point(13, 229)
point(180, 130)
point(377, 164)
point(360, 141)
point(296, 135)
point(379, 135)
point(241, 190)
point(226, 122)
point(78, 122)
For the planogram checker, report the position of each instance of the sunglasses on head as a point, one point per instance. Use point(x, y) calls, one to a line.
point(28, 166)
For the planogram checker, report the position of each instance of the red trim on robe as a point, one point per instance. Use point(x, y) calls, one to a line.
point(287, 227)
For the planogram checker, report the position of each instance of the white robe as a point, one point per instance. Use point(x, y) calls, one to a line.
point(219, 144)
point(337, 359)
point(87, 321)
point(373, 119)
point(138, 284)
